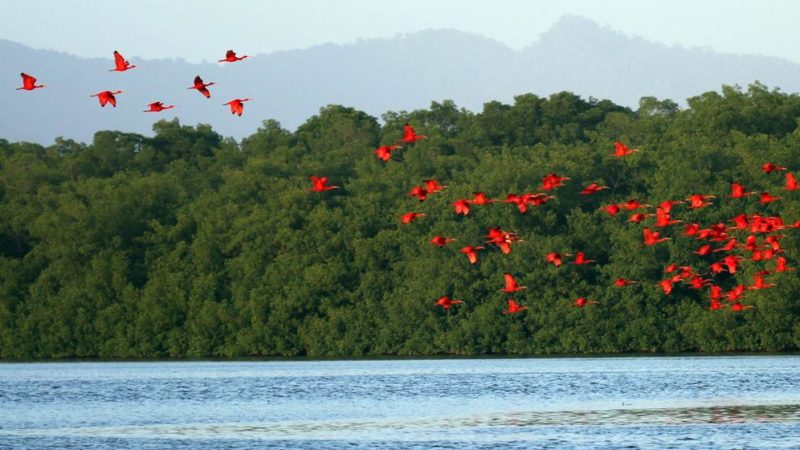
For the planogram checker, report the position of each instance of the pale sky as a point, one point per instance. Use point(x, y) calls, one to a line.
point(200, 30)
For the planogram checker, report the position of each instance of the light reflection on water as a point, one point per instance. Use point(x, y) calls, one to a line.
point(676, 402)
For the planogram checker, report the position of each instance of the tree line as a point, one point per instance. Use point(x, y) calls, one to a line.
point(189, 244)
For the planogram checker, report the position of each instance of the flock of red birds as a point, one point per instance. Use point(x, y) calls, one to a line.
point(761, 241)
point(122, 65)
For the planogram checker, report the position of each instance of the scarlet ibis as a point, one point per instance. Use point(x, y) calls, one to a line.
point(739, 307)
point(511, 284)
point(731, 262)
point(592, 188)
point(514, 307)
point(201, 86)
point(652, 237)
point(461, 206)
point(621, 150)
point(441, 241)
point(729, 246)
point(622, 282)
point(479, 198)
point(771, 167)
point(384, 152)
point(319, 184)
point(612, 209)
point(697, 201)
point(107, 97)
point(663, 218)
point(580, 302)
point(767, 198)
point(697, 282)
point(759, 283)
point(447, 302)
point(632, 204)
point(120, 64)
point(471, 252)
point(410, 217)
point(638, 217)
point(667, 205)
point(715, 305)
point(780, 265)
point(580, 259)
point(433, 186)
point(409, 135)
point(420, 192)
point(555, 258)
point(230, 56)
point(552, 181)
point(158, 107)
point(29, 83)
point(237, 105)
point(791, 182)
point(666, 286)
point(738, 191)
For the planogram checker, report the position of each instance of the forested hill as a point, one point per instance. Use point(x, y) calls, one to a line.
point(188, 244)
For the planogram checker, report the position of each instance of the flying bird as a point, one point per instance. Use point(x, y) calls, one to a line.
point(120, 64)
point(320, 184)
point(592, 188)
point(471, 252)
point(230, 56)
point(738, 191)
point(433, 186)
point(622, 282)
point(446, 302)
point(29, 83)
point(410, 136)
point(410, 217)
point(769, 167)
point(652, 237)
point(580, 259)
point(107, 97)
point(621, 150)
point(441, 241)
point(158, 107)
point(511, 284)
point(201, 86)
point(580, 302)
point(237, 105)
point(791, 182)
point(420, 192)
point(514, 307)
point(384, 152)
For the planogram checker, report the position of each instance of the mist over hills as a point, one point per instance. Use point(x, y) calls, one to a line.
point(375, 75)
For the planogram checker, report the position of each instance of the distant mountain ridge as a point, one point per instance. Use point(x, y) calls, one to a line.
point(374, 75)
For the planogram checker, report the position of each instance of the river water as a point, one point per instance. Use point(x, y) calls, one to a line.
point(724, 402)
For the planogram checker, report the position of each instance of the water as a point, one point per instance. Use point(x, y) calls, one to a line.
point(640, 402)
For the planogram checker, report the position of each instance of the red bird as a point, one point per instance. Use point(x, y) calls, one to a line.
point(580, 259)
point(622, 282)
point(780, 265)
point(592, 188)
point(433, 186)
point(652, 237)
point(441, 241)
point(770, 167)
point(410, 217)
point(446, 302)
point(29, 83)
point(767, 198)
point(552, 181)
point(791, 182)
point(157, 107)
point(739, 307)
point(759, 283)
point(201, 86)
point(715, 305)
point(632, 204)
point(666, 286)
point(107, 97)
point(420, 192)
point(663, 218)
point(621, 150)
point(461, 206)
point(230, 56)
point(121, 65)
point(514, 307)
point(471, 252)
point(480, 199)
point(319, 184)
point(731, 262)
point(667, 205)
point(638, 217)
point(612, 209)
point(384, 152)
point(237, 105)
point(738, 191)
point(697, 201)
point(580, 302)
point(409, 135)
point(555, 258)
point(511, 284)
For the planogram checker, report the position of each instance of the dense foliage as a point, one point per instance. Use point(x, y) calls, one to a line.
point(187, 244)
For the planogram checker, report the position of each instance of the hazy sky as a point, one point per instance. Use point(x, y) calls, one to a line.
point(199, 30)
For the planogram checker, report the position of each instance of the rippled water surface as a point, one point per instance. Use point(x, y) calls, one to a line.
point(638, 402)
